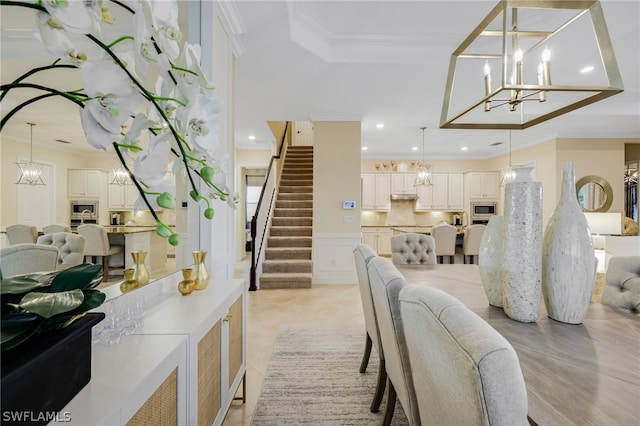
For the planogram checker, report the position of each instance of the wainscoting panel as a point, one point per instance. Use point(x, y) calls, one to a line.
point(333, 258)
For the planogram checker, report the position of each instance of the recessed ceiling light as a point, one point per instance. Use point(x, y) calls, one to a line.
point(464, 148)
point(496, 143)
point(62, 141)
point(380, 125)
point(414, 148)
point(251, 137)
point(364, 148)
point(587, 69)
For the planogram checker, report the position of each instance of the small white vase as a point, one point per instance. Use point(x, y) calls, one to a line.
point(522, 254)
point(490, 258)
point(568, 260)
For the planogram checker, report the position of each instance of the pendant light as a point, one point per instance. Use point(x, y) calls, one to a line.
point(30, 173)
point(423, 175)
point(508, 174)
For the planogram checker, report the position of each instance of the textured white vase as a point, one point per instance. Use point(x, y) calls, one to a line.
point(490, 258)
point(522, 254)
point(568, 261)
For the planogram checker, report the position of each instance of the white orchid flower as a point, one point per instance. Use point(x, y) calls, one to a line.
point(190, 59)
point(97, 136)
point(112, 97)
point(150, 164)
point(55, 40)
point(140, 123)
point(164, 18)
point(77, 16)
point(200, 122)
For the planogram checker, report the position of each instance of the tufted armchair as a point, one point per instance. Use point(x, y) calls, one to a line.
point(413, 249)
point(70, 248)
point(445, 239)
point(26, 258)
point(622, 291)
point(21, 234)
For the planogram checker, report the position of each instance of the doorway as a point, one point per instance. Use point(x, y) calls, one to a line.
point(253, 182)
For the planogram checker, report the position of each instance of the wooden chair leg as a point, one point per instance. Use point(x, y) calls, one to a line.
point(391, 404)
point(366, 355)
point(105, 268)
point(382, 381)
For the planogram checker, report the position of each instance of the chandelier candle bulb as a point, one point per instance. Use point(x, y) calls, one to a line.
point(542, 95)
point(546, 67)
point(487, 85)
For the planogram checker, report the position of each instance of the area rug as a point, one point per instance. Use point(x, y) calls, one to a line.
point(313, 378)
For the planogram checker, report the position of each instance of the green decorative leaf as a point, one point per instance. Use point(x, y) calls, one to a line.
point(11, 337)
point(50, 304)
point(76, 277)
point(18, 320)
point(19, 285)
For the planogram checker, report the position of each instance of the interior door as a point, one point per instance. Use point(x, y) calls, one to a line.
point(36, 204)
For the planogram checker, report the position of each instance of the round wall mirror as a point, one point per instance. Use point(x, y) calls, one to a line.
point(594, 194)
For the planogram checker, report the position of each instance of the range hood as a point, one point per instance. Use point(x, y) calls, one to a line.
point(403, 197)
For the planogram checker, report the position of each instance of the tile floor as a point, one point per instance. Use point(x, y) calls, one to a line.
point(267, 310)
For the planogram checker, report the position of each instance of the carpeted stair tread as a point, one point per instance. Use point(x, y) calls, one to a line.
point(294, 204)
point(290, 189)
point(293, 196)
point(287, 266)
point(275, 253)
point(289, 241)
point(291, 231)
point(278, 212)
point(273, 280)
point(291, 221)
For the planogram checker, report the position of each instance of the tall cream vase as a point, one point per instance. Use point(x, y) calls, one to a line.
point(522, 255)
point(568, 260)
point(490, 260)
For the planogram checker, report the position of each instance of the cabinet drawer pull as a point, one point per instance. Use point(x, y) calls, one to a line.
point(227, 318)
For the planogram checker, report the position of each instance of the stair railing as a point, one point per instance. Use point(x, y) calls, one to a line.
point(264, 210)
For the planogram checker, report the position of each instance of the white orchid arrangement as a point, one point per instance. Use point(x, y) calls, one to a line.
point(147, 80)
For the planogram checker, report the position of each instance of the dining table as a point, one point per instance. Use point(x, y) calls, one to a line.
point(575, 374)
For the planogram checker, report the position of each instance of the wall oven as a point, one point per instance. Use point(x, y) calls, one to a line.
point(481, 211)
point(83, 211)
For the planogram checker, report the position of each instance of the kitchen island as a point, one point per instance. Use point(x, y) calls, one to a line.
point(139, 238)
point(418, 230)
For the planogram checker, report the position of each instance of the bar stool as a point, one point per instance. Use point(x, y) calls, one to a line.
point(445, 237)
point(98, 246)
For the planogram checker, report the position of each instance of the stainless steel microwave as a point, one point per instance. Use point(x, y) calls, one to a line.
point(88, 207)
point(483, 210)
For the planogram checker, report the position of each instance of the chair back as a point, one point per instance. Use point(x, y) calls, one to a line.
point(97, 240)
point(471, 240)
point(26, 258)
point(464, 371)
point(21, 234)
point(362, 254)
point(70, 248)
point(622, 291)
point(51, 229)
point(413, 249)
point(445, 238)
point(386, 283)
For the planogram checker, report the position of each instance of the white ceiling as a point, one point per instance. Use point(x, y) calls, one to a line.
point(372, 61)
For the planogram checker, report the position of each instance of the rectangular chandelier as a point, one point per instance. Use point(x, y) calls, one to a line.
point(530, 61)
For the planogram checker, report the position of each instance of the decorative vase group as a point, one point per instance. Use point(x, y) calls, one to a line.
point(187, 285)
point(129, 283)
point(522, 252)
point(140, 273)
point(200, 274)
point(490, 260)
point(568, 260)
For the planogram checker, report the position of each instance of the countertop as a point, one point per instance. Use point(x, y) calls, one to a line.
point(128, 229)
point(419, 229)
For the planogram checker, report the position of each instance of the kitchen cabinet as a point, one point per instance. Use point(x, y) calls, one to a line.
point(121, 197)
point(376, 191)
point(445, 194)
point(85, 183)
point(402, 183)
point(378, 238)
point(482, 185)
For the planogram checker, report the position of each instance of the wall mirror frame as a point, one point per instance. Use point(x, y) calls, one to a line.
point(594, 194)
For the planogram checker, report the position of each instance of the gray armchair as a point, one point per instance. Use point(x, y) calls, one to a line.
point(70, 248)
point(21, 234)
point(413, 249)
point(622, 291)
point(26, 258)
point(464, 371)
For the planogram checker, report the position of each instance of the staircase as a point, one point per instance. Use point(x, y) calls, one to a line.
point(287, 262)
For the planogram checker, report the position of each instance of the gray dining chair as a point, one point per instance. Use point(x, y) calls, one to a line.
point(52, 229)
point(622, 291)
point(362, 255)
point(445, 239)
point(98, 246)
point(70, 248)
point(414, 249)
point(386, 283)
point(471, 241)
point(464, 371)
point(21, 234)
point(26, 258)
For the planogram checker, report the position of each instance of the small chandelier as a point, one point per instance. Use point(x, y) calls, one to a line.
point(508, 174)
point(120, 176)
point(518, 38)
point(30, 172)
point(423, 175)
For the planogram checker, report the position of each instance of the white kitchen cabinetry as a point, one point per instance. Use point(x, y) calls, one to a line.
point(445, 194)
point(378, 238)
point(402, 183)
point(376, 191)
point(86, 183)
point(121, 197)
point(481, 185)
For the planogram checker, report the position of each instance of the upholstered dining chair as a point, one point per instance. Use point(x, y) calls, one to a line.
point(413, 249)
point(622, 291)
point(471, 241)
point(362, 255)
point(70, 248)
point(386, 283)
point(20, 234)
point(445, 238)
point(51, 229)
point(97, 245)
point(464, 372)
point(26, 258)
